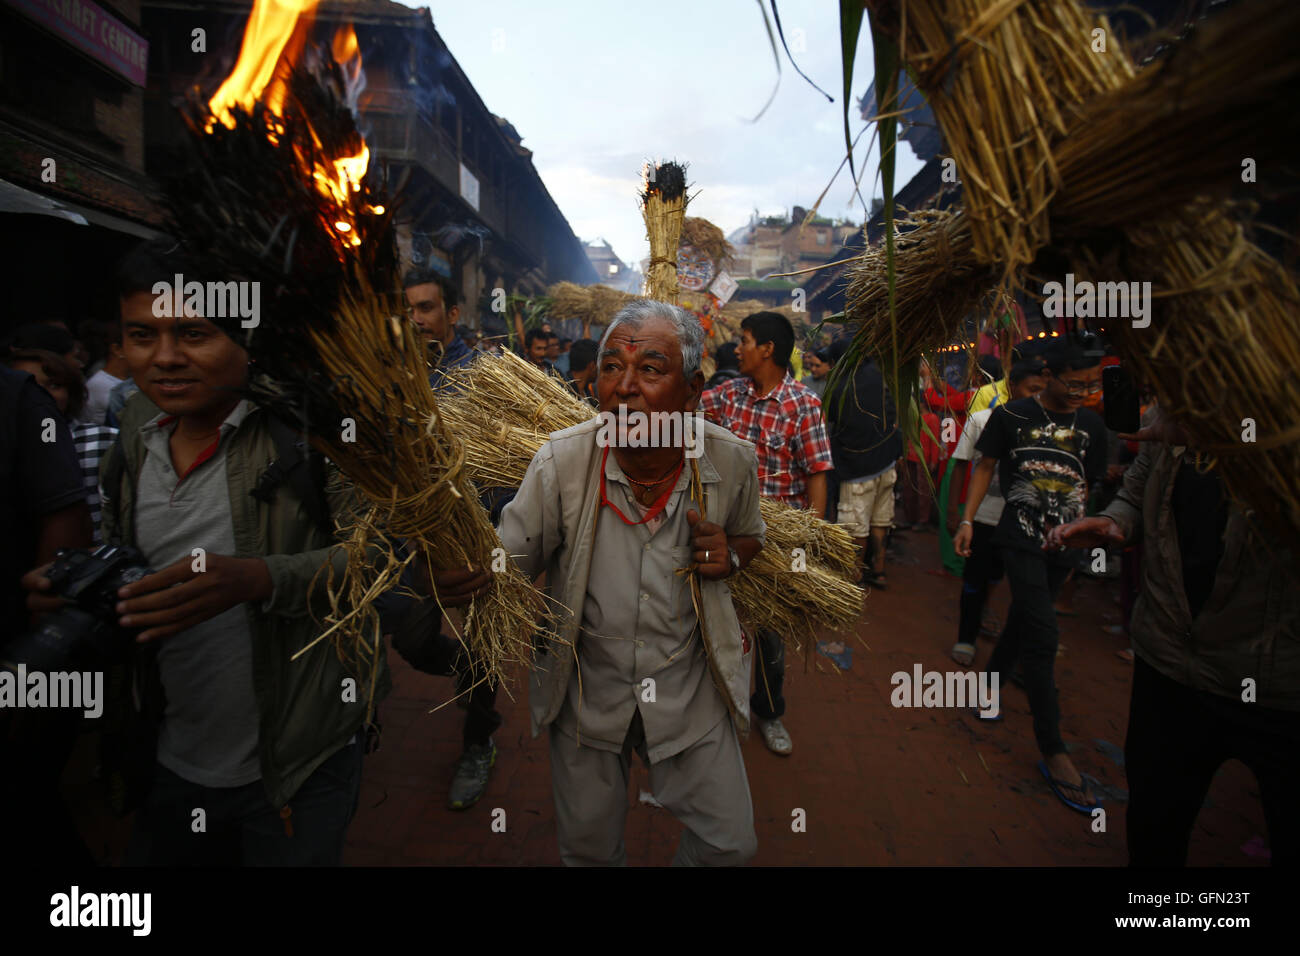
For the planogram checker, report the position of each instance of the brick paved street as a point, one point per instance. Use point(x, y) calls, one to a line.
point(879, 785)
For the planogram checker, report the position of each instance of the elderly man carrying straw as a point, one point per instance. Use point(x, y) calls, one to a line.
point(645, 655)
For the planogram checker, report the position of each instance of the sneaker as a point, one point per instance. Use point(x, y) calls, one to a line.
point(775, 736)
point(472, 772)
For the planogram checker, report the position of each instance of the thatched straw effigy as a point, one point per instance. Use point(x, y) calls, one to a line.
point(707, 238)
point(505, 408)
point(1076, 158)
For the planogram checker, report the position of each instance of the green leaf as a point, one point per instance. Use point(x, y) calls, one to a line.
point(851, 13)
point(905, 379)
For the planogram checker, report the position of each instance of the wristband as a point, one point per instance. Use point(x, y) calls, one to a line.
point(964, 521)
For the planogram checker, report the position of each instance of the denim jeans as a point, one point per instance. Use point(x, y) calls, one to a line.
point(241, 828)
point(768, 701)
point(982, 569)
point(1030, 635)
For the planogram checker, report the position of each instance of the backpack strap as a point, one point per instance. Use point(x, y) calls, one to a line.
point(112, 470)
point(301, 467)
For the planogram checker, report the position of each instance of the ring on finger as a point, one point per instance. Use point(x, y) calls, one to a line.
point(706, 557)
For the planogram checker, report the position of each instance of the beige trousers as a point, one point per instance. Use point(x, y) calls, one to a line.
point(705, 787)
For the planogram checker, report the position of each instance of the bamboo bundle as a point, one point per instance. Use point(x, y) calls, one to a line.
point(274, 195)
point(505, 409)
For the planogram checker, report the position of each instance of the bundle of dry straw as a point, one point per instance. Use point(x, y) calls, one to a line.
point(504, 409)
point(663, 206)
point(939, 281)
point(400, 454)
point(1042, 126)
point(593, 304)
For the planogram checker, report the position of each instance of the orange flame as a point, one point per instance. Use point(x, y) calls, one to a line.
point(273, 39)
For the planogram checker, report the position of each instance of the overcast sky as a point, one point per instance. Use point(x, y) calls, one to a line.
point(596, 87)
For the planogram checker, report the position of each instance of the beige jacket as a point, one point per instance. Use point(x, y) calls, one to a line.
point(551, 525)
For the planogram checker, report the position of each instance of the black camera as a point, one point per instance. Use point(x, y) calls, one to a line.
point(86, 629)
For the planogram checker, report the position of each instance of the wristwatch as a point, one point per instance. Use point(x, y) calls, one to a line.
point(734, 558)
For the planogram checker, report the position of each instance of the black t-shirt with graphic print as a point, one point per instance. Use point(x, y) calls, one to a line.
point(1046, 462)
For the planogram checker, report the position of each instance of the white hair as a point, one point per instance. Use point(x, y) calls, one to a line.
point(690, 334)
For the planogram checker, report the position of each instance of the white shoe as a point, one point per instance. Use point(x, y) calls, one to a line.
point(775, 736)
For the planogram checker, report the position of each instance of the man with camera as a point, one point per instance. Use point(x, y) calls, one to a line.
point(257, 756)
point(42, 508)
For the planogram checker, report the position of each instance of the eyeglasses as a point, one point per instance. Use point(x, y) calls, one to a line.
point(1082, 388)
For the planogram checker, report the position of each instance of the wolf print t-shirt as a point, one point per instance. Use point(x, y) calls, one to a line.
point(1046, 461)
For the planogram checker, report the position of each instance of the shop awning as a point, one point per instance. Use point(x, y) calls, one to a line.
point(16, 199)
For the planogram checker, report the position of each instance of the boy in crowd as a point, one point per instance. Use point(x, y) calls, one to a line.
point(983, 567)
point(1048, 450)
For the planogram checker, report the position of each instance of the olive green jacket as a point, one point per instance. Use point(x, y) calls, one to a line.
point(1249, 627)
point(303, 717)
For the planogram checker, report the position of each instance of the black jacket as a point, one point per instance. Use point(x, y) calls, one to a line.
point(862, 423)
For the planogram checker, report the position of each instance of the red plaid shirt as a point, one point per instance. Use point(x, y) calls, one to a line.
point(785, 427)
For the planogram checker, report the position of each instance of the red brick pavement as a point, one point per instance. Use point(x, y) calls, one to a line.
point(878, 785)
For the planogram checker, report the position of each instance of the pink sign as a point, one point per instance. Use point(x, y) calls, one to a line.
point(93, 31)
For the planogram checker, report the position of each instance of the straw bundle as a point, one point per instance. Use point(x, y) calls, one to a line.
point(726, 322)
point(1226, 94)
point(329, 356)
point(1003, 91)
point(593, 304)
point(937, 285)
point(407, 464)
point(663, 206)
point(1223, 353)
point(505, 409)
point(1051, 154)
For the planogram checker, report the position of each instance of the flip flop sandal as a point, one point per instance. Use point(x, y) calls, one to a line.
point(963, 654)
point(876, 580)
point(1066, 613)
point(1060, 787)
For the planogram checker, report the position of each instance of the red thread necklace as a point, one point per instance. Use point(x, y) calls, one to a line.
point(660, 503)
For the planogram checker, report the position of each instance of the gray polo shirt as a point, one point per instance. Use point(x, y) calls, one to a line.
point(210, 727)
point(639, 622)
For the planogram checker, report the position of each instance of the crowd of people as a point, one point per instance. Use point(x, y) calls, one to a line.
point(137, 432)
